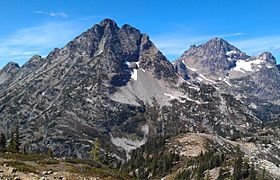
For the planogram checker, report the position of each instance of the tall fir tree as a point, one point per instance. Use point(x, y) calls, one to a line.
point(96, 150)
point(238, 165)
point(3, 142)
point(252, 175)
point(14, 142)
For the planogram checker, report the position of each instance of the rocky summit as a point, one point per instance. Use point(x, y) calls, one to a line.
point(111, 83)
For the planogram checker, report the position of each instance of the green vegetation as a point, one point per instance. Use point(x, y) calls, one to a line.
point(103, 172)
point(48, 161)
point(151, 159)
point(37, 162)
point(22, 167)
point(95, 152)
point(24, 157)
point(3, 142)
point(14, 143)
point(199, 167)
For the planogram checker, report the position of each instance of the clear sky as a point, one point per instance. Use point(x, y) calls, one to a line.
point(31, 27)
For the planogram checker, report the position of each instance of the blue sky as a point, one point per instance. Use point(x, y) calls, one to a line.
point(32, 27)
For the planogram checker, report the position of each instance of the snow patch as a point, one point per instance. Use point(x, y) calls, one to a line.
point(247, 66)
point(181, 98)
point(202, 76)
point(192, 69)
point(200, 79)
point(134, 74)
point(127, 144)
point(227, 82)
point(170, 96)
point(196, 101)
point(145, 129)
point(243, 66)
point(253, 105)
point(193, 87)
point(231, 52)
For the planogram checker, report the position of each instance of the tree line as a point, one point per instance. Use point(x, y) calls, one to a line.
point(199, 168)
point(12, 145)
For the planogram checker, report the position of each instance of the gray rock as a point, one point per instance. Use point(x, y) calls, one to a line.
point(86, 90)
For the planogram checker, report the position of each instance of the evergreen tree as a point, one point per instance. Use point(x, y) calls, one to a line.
point(50, 152)
point(3, 142)
point(252, 175)
point(11, 145)
point(263, 173)
point(237, 172)
point(246, 169)
point(14, 142)
point(106, 159)
point(96, 150)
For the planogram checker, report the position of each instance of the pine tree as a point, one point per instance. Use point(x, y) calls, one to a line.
point(3, 142)
point(237, 172)
point(106, 159)
point(263, 173)
point(252, 175)
point(14, 142)
point(246, 168)
point(11, 145)
point(96, 150)
point(50, 152)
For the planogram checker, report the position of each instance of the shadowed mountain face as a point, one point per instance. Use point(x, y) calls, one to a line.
point(112, 83)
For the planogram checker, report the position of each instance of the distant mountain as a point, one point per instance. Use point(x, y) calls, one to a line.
point(254, 80)
point(112, 83)
point(213, 59)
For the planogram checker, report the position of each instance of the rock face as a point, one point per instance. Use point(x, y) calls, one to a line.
point(112, 83)
point(251, 79)
point(8, 72)
point(212, 59)
point(64, 101)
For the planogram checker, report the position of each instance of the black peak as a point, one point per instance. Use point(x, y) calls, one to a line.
point(218, 41)
point(109, 26)
point(108, 22)
point(219, 44)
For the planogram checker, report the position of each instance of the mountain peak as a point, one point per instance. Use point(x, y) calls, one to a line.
point(217, 39)
point(268, 57)
point(220, 44)
point(10, 67)
point(108, 22)
point(213, 58)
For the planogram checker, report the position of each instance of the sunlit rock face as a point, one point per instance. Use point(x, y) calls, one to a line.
point(112, 83)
